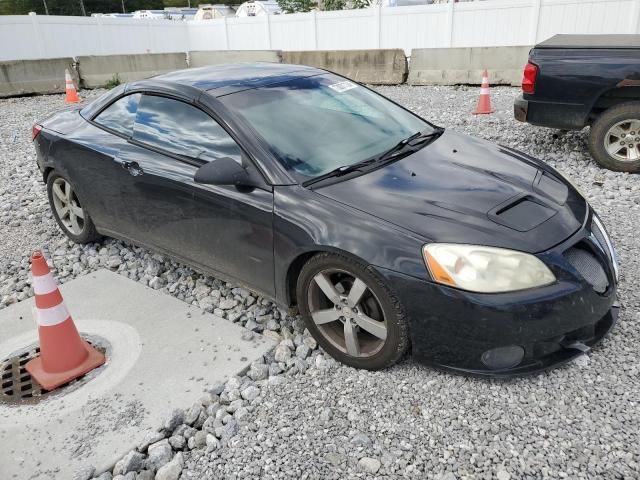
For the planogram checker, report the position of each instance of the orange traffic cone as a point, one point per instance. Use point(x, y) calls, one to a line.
point(484, 102)
point(64, 356)
point(70, 88)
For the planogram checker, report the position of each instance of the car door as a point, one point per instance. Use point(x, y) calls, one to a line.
point(90, 161)
point(220, 228)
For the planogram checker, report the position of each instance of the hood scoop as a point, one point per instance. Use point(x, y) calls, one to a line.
point(522, 213)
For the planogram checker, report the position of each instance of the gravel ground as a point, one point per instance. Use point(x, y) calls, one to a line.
point(300, 414)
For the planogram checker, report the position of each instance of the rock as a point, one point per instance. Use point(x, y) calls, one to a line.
point(310, 342)
point(159, 454)
point(200, 439)
point(212, 442)
point(258, 371)
point(149, 438)
point(84, 473)
point(131, 462)
point(145, 475)
point(360, 439)
point(503, 475)
point(192, 414)
point(335, 458)
point(227, 304)
point(177, 442)
point(369, 465)
point(172, 470)
point(247, 336)
point(282, 353)
point(216, 389)
point(176, 418)
point(250, 393)
point(302, 351)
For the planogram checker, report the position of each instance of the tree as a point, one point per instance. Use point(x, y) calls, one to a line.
point(297, 6)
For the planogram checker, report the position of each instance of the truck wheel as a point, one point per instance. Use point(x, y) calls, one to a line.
point(614, 140)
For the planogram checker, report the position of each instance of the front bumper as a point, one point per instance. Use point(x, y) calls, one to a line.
point(548, 326)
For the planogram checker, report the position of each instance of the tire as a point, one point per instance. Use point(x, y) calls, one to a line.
point(377, 303)
point(86, 231)
point(623, 115)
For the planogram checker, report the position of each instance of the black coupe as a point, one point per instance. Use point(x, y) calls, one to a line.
point(388, 233)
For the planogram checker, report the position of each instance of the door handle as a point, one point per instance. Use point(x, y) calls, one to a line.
point(133, 168)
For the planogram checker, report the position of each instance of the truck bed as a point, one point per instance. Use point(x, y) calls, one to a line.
point(591, 41)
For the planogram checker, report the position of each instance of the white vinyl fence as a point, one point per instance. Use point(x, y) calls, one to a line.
point(471, 24)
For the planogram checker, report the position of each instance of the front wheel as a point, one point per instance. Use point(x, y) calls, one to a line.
point(352, 314)
point(72, 218)
point(614, 139)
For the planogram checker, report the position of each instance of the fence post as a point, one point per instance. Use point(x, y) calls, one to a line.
point(535, 21)
point(378, 26)
point(100, 35)
point(635, 17)
point(37, 36)
point(226, 34)
point(314, 19)
point(268, 25)
point(450, 7)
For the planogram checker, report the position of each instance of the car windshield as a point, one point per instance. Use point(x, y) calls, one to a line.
point(316, 124)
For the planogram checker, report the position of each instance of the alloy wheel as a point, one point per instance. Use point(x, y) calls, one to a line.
point(622, 141)
point(68, 206)
point(347, 312)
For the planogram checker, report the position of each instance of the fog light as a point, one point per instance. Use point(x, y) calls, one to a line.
point(503, 357)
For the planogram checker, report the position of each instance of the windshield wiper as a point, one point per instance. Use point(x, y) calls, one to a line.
point(338, 172)
point(415, 141)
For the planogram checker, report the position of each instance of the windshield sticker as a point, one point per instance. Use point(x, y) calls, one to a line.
point(342, 86)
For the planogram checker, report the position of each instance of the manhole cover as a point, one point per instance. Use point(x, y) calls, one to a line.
point(17, 385)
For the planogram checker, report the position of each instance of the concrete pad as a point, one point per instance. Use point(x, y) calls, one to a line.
point(377, 67)
point(24, 77)
point(161, 353)
point(96, 70)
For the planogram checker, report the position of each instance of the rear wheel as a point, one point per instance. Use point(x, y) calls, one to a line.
point(72, 218)
point(351, 313)
point(614, 140)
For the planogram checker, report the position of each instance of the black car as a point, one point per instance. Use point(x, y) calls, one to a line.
point(388, 233)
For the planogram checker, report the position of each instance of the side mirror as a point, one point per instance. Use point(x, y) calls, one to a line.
point(223, 171)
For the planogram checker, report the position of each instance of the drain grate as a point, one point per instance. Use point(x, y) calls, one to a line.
point(17, 384)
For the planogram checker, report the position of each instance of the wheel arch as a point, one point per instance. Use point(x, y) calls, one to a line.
point(46, 172)
point(613, 97)
point(295, 267)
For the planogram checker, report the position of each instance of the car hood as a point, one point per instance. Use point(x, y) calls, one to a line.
point(462, 189)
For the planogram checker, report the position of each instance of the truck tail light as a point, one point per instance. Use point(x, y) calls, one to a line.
point(35, 131)
point(529, 78)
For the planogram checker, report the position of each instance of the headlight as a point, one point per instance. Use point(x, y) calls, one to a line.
point(485, 269)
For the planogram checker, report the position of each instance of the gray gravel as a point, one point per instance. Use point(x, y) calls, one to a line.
point(299, 414)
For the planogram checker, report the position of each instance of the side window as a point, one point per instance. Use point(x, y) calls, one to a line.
point(120, 115)
point(182, 129)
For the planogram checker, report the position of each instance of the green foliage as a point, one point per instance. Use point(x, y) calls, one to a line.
point(334, 4)
point(344, 4)
point(73, 7)
point(360, 4)
point(297, 6)
point(114, 82)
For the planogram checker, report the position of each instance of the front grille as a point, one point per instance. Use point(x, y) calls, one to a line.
point(589, 267)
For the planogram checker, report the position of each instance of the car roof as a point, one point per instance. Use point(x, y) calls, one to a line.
point(224, 79)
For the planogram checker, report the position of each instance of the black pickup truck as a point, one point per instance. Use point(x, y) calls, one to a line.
point(572, 81)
